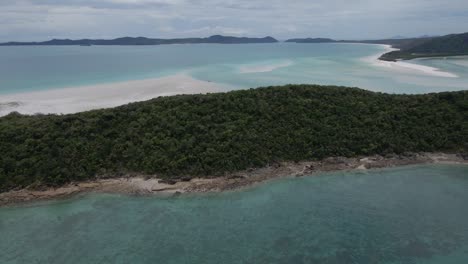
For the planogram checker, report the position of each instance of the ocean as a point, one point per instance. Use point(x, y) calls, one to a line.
point(70, 79)
point(39, 68)
point(414, 214)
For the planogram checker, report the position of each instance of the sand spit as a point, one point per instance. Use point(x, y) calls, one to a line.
point(151, 185)
point(83, 98)
point(406, 67)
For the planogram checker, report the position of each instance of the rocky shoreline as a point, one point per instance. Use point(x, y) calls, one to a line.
point(151, 185)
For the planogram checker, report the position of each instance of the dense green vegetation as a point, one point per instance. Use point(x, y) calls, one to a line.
point(207, 135)
point(450, 45)
point(410, 48)
point(405, 43)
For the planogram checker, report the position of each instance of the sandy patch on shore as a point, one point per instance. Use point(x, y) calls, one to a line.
point(406, 67)
point(83, 98)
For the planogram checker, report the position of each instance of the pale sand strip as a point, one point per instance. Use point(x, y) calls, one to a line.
point(78, 99)
point(406, 67)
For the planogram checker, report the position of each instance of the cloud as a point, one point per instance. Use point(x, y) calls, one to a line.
point(211, 30)
point(43, 19)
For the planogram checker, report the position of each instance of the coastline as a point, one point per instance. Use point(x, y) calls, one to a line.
point(84, 98)
point(75, 99)
point(135, 184)
point(405, 67)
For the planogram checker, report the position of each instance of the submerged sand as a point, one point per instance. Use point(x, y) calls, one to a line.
point(152, 185)
point(83, 98)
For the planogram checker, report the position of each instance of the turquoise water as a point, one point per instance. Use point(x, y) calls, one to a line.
point(25, 69)
point(402, 215)
point(405, 215)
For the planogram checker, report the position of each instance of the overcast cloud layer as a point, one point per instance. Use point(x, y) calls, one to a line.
point(26, 20)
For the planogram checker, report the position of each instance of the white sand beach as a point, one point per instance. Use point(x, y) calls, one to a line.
point(406, 67)
point(83, 98)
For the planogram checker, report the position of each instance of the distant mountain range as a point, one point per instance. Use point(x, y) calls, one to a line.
point(410, 48)
point(311, 40)
point(144, 41)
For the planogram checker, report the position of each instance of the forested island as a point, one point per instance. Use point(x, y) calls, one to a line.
point(209, 135)
point(217, 39)
point(396, 43)
point(450, 45)
point(410, 48)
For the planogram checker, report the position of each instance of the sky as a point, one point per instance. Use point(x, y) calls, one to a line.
point(28, 20)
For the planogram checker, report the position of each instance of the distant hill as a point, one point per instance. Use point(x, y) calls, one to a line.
point(395, 42)
point(398, 37)
point(144, 41)
point(311, 40)
point(410, 48)
point(450, 45)
point(429, 36)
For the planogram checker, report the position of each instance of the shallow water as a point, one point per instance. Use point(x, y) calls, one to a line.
point(25, 69)
point(414, 214)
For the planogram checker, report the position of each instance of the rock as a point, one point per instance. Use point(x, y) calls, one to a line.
point(409, 155)
point(464, 156)
point(364, 160)
point(391, 156)
point(168, 181)
point(276, 165)
point(376, 158)
point(308, 168)
point(233, 177)
point(336, 160)
point(185, 179)
point(361, 167)
point(300, 174)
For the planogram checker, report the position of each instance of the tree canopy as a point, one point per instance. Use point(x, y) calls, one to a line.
point(208, 135)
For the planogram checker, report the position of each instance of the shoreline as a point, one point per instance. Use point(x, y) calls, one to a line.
point(149, 185)
point(405, 67)
point(68, 100)
point(84, 98)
